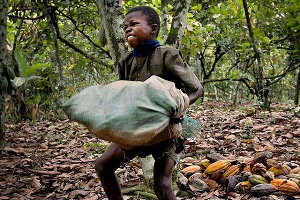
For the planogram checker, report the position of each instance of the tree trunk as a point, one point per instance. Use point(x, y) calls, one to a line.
point(297, 90)
point(111, 14)
point(3, 51)
point(52, 20)
point(178, 23)
point(164, 21)
point(262, 94)
point(236, 93)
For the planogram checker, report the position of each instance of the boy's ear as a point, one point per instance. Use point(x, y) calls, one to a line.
point(154, 28)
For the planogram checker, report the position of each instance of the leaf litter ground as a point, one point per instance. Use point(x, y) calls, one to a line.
point(55, 160)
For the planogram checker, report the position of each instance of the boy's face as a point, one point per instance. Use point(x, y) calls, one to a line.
point(137, 29)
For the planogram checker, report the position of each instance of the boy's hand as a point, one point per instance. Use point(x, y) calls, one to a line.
point(194, 95)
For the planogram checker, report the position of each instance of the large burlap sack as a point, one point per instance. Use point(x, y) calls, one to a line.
point(129, 113)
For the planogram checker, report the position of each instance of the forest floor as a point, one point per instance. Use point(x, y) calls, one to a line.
point(55, 160)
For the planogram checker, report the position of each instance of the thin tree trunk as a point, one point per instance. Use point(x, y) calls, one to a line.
point(51, 17)
point(111, 14)
point(178, 23)
point(164, 21)
point(3, 51)
point(263, 95)
point(297, 90)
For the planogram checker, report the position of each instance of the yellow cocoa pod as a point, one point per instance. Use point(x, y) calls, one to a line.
point(277, 170)
point(204, 163)
point(244, 186)
point(289, 187)
point(231, 171)
point(220, 164)
point(256, 179)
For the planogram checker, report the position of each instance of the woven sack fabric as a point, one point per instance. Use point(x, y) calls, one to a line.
point(129, 113)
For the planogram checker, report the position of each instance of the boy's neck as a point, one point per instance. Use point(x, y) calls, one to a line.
point(145, 48)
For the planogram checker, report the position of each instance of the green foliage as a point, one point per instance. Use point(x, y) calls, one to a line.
point(215, 44)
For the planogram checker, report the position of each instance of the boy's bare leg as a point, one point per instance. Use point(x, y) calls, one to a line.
point(163, 169)
point(106, 166)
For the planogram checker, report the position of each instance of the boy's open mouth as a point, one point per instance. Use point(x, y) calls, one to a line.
point(129, 36)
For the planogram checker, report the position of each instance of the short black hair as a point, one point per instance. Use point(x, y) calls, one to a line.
point(153, 17)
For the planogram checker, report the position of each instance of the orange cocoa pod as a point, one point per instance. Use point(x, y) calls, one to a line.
point(289, 187)
point(277, 182)
point(231, 171)
point(220, 164)
point(191, 169)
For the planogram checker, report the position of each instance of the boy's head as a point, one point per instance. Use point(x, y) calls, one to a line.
point(142, 24)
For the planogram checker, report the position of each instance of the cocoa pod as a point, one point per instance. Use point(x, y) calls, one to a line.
point(204, 163)
point(289, 187)
point(198, 185)
point(277, 182)
point(277, 170)
point(259, 169)
point(232, 181)
point(217, 175)
point(263, 189)
point(295, 170)
point(231, 171)
point(296, 176)
point(256, 179)
point(191, 169)
point(244, 186)
point(220, 164)
point(286, 169)
point(271, 162)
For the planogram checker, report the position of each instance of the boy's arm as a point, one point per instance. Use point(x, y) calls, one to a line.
point(196, 94)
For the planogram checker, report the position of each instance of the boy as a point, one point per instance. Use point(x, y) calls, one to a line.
point(148, 58)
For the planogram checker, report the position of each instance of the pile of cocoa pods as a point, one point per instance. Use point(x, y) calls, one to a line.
point(259, 176)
